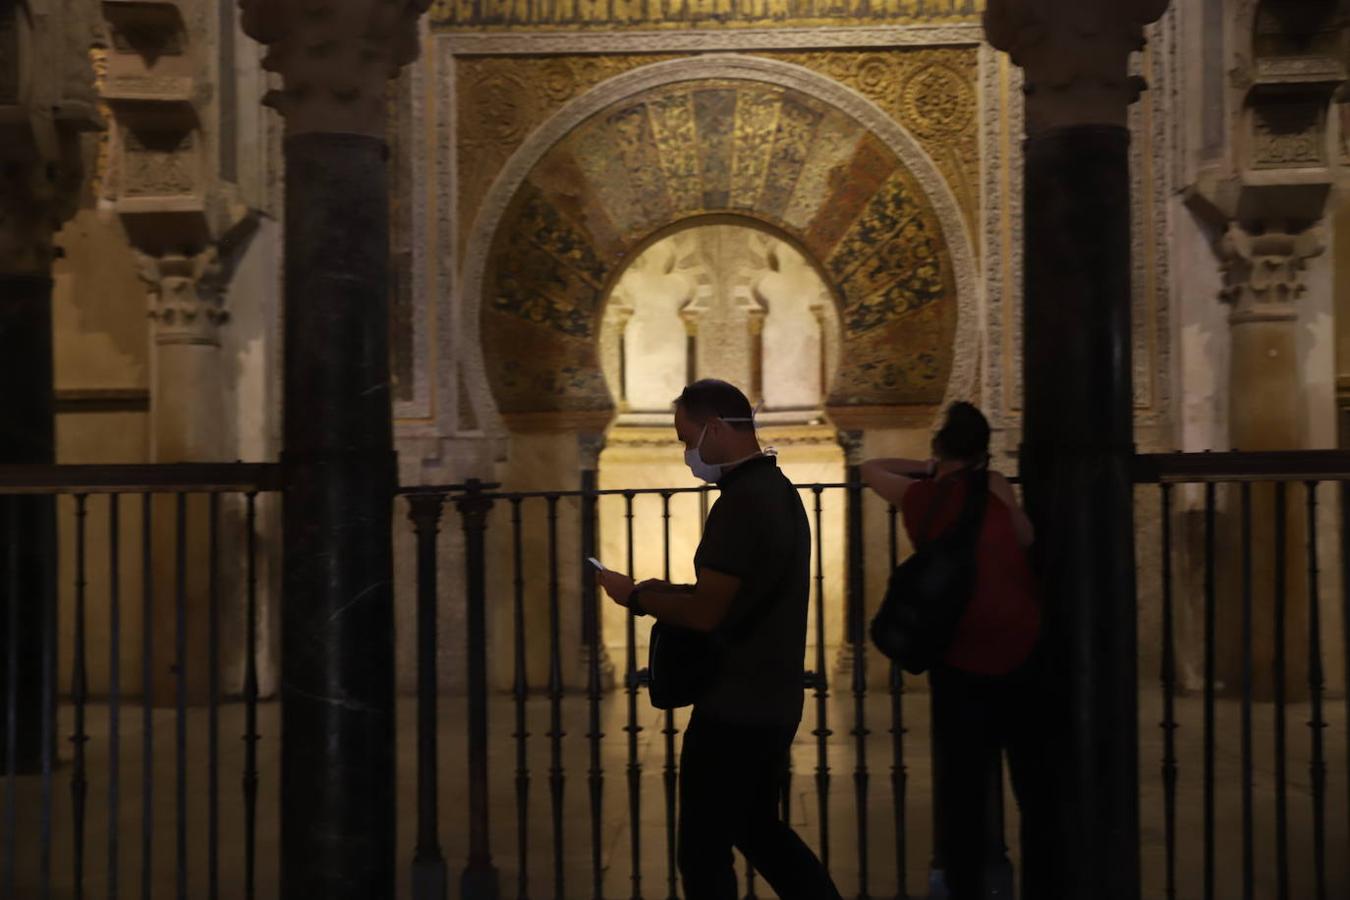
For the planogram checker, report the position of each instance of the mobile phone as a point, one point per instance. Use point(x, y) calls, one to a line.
point(595, 562)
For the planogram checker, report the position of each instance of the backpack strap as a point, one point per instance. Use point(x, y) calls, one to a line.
point(972, 510)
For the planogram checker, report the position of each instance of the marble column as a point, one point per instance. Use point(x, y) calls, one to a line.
point(27, 523)
point(46, 101)
point(337, 662)
point(1077, 440)
point(1262, 281)
point(188, 424)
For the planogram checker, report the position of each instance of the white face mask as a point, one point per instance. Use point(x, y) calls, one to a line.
point(706, 471)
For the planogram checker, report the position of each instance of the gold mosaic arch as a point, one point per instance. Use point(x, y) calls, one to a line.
point(711, 147)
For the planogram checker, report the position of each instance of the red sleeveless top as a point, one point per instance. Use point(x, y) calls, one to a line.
point(1000, 625)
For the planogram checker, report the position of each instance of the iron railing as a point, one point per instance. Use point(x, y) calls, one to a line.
point(1283, 833)
point(28, 500)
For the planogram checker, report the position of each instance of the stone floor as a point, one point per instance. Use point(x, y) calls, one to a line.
point(615, 834)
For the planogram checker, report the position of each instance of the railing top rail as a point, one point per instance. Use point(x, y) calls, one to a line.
point(1268, 465)
point(140, 478)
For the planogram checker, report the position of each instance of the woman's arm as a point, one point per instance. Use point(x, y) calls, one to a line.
point(1022, 527)
point(891, 478)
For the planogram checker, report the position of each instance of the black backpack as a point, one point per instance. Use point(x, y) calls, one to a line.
point(928, 592)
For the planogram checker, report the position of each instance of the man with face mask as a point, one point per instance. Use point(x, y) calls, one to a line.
point(753, 566)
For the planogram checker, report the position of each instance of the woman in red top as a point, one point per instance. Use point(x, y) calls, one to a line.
point(984, 693)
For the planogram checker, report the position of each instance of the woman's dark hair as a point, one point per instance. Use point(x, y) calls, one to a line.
point(710, 398)
point(964, 436)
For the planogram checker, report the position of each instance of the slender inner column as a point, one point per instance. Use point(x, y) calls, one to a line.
point(337, 780)
point(1076, 454)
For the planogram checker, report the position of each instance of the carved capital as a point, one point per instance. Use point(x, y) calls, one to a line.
point(1075, 54)
point(334, 57)
point(1263, 273)
point(590, 444)
point(187, 296)
point(851, 442)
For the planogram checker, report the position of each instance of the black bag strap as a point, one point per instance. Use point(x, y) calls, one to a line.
point(972, 510)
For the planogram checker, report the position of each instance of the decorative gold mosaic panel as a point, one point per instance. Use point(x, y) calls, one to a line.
point(763, 152)
point(931, 91)
point(502, 99)
point(556, 15)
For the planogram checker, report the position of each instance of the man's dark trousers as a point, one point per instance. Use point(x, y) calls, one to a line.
point(731, 777)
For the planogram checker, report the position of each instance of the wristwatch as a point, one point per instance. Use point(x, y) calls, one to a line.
point(634, 604)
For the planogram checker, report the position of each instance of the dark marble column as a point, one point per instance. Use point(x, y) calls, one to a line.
point(1076, 457)
point(27, 523)
point(337, 778)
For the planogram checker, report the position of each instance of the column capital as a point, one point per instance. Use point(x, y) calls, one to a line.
point(187, 296)
point(1075, 54)
point(334, 57)
point(1263, 273)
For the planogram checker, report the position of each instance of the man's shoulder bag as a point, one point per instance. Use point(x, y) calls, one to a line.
point(928, 592)
point(681, 665)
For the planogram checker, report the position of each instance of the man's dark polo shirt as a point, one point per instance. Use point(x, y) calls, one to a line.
point(758, 532)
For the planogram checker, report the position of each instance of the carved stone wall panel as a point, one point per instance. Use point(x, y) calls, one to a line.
point(612, 15)
point(1290, 134)
point(160, 163)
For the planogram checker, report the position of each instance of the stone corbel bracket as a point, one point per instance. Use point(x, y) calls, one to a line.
point(1285, 141)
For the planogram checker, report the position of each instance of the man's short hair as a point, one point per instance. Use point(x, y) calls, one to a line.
point(709, 398)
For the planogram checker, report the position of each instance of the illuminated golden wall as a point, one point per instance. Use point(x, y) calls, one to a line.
point(672, 14)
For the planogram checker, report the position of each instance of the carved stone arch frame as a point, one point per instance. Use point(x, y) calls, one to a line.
point(962, 382)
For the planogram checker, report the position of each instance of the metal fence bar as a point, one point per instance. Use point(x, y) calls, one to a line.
point(555, 693)
point(479, 880)
point(213, 697)
point(1248, 840)
point(79, 694)
point(1209, 692)
point(428, 868)
point(1317, 768)
point(180, 678)
point(49, 675)
point(114, 692)
point(632, 728)
point(669, 774)
point(251, 737)
point(147, 696)
point(11, 698)
point(1169, 688)
point(822, 729)
point(857, 636)
point(1345, 626)
point(899, 776)
point(595, 775)
point(1281, 780)
point(519, 691)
